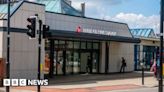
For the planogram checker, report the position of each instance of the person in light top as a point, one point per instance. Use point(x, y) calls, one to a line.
point(154, 68)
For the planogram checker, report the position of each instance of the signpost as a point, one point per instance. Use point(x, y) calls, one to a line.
point(39, 52)
point(8, 47)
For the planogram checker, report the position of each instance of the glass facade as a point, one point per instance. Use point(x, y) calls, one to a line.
point(59, 6)
point(71, 57)
point(147, 54)
point(145, 32)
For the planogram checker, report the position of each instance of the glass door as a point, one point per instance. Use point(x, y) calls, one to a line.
point(69, 62)
point(55, 63)
point(95, 62)
point(84, 61)
point(59, 63)
point(76, 63)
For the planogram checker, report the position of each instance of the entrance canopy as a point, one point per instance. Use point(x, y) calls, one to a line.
point(89, 36)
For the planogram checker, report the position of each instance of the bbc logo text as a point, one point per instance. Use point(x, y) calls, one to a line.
point(24, 82)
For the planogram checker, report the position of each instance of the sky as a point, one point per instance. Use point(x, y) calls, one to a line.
point(136, 13)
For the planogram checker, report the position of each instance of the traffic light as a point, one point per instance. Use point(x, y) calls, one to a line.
point(46, 28)
point(31, 27)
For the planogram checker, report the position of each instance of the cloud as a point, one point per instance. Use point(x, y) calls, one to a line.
point(137, 20)
point(97, 9)
point(114, 2)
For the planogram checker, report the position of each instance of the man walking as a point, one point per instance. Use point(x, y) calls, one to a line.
point(123, 65)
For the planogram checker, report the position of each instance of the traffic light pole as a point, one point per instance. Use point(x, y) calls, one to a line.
point(8, 47)
point(160, 89)
point(39, 52)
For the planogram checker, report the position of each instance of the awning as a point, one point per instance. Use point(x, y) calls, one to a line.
point(89, 36)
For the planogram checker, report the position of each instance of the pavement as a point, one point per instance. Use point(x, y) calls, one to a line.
point(154, 89)
point(94, 83)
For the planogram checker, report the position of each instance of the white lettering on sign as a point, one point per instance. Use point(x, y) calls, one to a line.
point(95, 31)
point(24, 82)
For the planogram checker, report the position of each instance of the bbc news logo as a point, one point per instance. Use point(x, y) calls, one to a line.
point(24, 82)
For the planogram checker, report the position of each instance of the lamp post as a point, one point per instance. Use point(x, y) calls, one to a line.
point(160, 89)
point(39, 52)
point(142, 66)
point(8, 47)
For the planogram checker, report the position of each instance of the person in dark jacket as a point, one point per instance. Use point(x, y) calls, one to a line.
point(123, 65)
point(89, 65)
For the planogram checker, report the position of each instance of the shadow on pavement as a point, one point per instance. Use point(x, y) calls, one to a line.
point(93, 78)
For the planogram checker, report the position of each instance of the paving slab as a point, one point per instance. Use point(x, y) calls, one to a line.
point(94, 83)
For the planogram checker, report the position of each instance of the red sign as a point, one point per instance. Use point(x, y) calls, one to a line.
point(78, 30)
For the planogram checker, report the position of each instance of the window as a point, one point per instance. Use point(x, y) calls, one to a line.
point(56, 43)
point(89, 45)
point(95, 46)
point(69, 44)
point(61, 44)
point(47, 44)
point(83, 45)
point(76, 45)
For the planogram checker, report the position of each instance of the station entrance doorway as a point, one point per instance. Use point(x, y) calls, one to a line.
point(72, 57)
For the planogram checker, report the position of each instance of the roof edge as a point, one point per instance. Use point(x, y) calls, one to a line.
point(19, 5)
point(130, 31)
point(74, 34)
point(88, 18)
point(33, 2)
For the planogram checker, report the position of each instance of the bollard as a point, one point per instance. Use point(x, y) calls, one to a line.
point(142, 66)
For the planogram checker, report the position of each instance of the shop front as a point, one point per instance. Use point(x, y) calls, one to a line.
point(146, 54)
point(73, 52)
point(147, 50)
point(71, 56)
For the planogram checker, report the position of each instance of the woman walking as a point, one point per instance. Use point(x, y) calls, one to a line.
point(154, 68)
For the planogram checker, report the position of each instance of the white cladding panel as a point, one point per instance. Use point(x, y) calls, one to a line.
point(102, 57)
point(70, 23)
point(24, 51)
point(23, 55)
point(1, 23)
point(19, 19)
point(118, 50)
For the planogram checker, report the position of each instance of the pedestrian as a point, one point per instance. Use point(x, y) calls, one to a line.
point(154, 68)
point(89, 65)
point(151, 62)
point(123, 65)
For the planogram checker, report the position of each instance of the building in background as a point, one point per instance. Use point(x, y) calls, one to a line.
point(73, 38)
point(148, 49)
point(5, 1)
